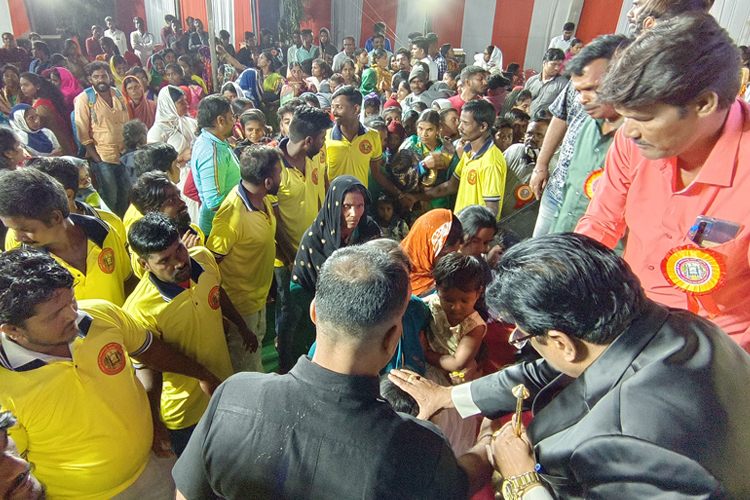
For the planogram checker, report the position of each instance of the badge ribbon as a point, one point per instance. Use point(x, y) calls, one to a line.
point(524, 194)
point(589, 187)
point(698, 272)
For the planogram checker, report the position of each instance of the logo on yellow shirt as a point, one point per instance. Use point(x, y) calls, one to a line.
point(214, 298)
point(365, 147)
point(315, 176)
point(107, 260)
point(111, 359)
point(472, 176)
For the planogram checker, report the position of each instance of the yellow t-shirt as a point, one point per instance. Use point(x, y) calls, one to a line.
point(107, 261)
point(190, 320)
point(85, 422)
point(300, 196)
point(352, 158)
point(246, 237)
point(132, 215)
point(481, 177)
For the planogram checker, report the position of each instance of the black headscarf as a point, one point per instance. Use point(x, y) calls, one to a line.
point(324, 236)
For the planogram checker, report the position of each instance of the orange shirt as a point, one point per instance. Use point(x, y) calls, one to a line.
point(639, 194)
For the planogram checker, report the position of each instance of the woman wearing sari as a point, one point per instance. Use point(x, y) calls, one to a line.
point(139, 108)
point(433, 236)
point(38, 141)
point(67, 83)
point(76, 61)
point(342, 221)
point(157, 70)
point(12, 86)
point(144, 78)
point(204, 55)
point(349, 72)
point(377, 78)
point(295, 84)
point(50, 106)
point(270, 82)
point(174, 126)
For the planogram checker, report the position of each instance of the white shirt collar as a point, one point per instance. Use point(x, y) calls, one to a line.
point(17, 356)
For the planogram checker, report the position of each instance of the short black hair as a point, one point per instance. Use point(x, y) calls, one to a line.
point(481, 110)
point(432, 38)
point(7, 420)
point(378, 27)
point(516, 114)
point(497, 81)
point(571, 284)
point(504, 238)
point(554, 55)
point(30, 193)
point(239, 104)
point(404, 51)
point(308, 122)
point(358, 288)
point(169, 18)
point(289, 107)
point(351, 93)
point(157, 156)
point(257, 164)
point(569, 26)
point(132, 133)
point(469, 71)
point(8, 141)
point(211, 108)
point(400, 400)
point(673, 63)
point(252, 115)
point(602, 47)
point(154, 232)
point(378, 35)
point(28, 278)
point(223, 34)
point(147, 193)
point(445, 48)
point(306, 32)
point(460, 271)
point(421, 43)
point(475, 218)
point(500, 123)
point(61, 169)
point(96, 66)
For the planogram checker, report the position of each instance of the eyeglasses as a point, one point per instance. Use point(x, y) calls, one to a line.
point(518, 342)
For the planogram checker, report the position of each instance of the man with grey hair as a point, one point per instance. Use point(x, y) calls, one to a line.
point(322, 431)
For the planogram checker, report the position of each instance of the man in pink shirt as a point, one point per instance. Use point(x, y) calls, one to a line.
point(677, 175)
point(474, 79)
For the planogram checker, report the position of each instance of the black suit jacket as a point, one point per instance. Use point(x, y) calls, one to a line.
point(664, 412)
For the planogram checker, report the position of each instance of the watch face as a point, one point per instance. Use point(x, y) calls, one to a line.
point(509, 492)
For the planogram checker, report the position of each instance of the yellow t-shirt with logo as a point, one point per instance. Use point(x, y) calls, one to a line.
point(481, 177)
point(352, 158)
point(132, 215)
point(107, 261)
point(84, 423)
point(300, 197)
point(245, 237)
point(190, 320)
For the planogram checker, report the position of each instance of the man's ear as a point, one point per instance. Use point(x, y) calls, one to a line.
point(391, 339)
point(649, 23)
point(312, 311)
point(10, 331)
point(144, 264)
point(706, 104)
point(567, 347)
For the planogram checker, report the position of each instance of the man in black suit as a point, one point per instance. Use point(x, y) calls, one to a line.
point(630, 399)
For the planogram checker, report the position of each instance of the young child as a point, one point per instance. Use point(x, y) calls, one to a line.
point(239, 106)
point(391, 224)
point(457, 329)
point(255, 130)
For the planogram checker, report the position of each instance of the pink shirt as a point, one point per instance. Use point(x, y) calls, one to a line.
point(639, 194)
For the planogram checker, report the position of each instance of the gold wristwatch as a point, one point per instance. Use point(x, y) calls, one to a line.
point(514, 487)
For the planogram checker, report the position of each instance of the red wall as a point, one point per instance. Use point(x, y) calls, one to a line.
point(126, 11)
point(195, 9)
point(18, 17)
point(243, 21)
point(445, 25)
point(511, 29)
point(386, 12)
point(598, 17)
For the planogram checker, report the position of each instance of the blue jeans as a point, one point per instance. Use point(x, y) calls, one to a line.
point(547, 210)
point(114, 186)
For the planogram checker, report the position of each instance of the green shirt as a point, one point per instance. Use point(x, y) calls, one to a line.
point(589, 156)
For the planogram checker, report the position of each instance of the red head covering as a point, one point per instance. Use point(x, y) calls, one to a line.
point(146, 110)
point(391, 103)
point(424, 242)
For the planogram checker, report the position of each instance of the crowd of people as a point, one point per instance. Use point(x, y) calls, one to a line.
point(474, 282)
